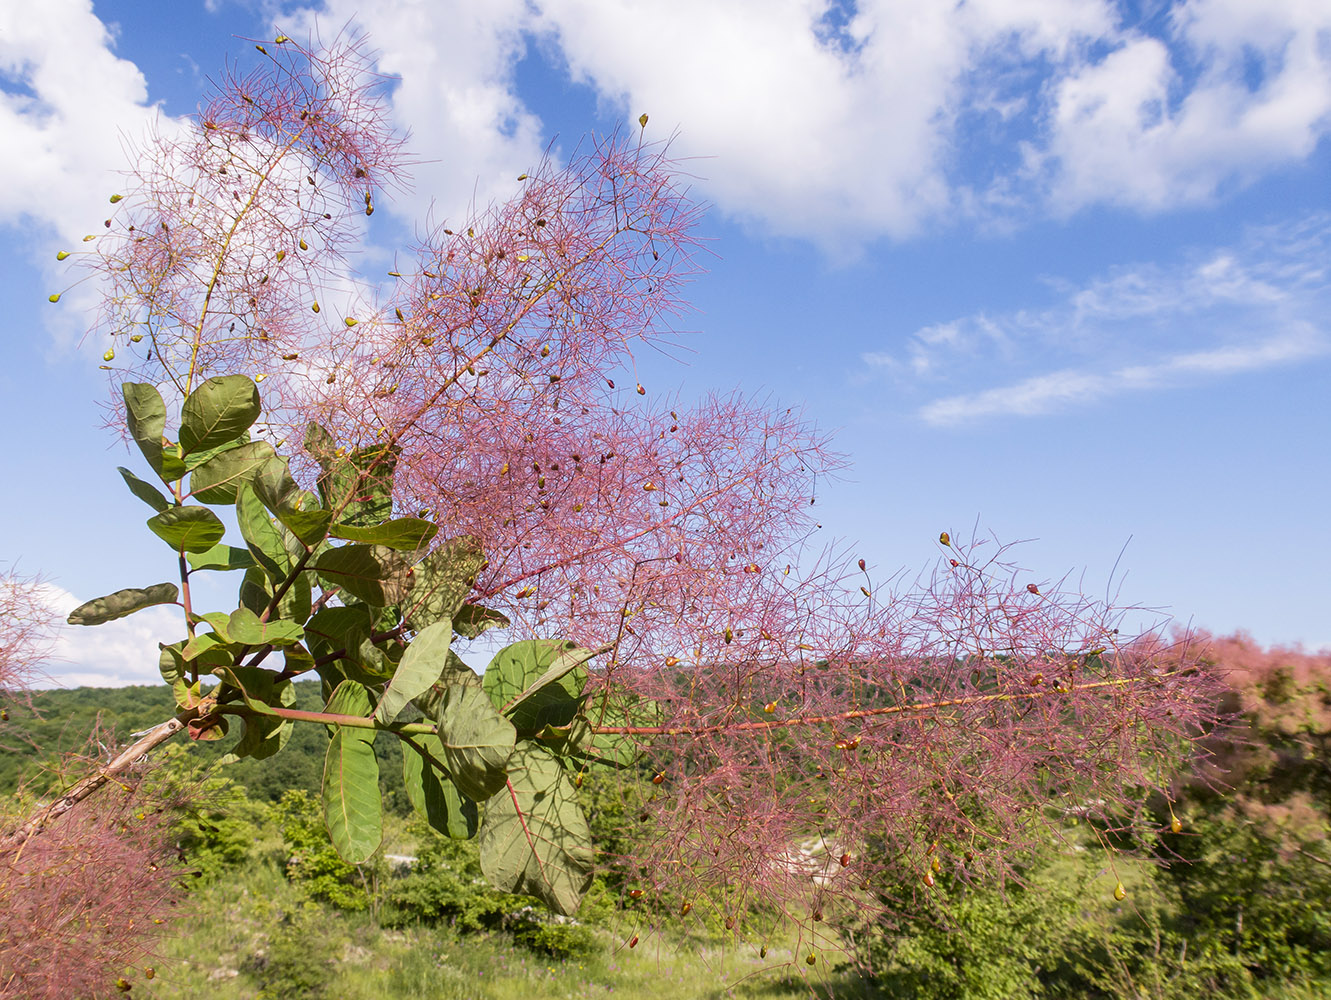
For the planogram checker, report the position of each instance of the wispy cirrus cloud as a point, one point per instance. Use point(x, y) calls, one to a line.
point(1218, 313)
point(1058, 390)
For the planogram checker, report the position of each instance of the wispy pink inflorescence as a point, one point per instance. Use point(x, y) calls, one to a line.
point(232, 224)
point(27, 630)
point(83, 903)
point(959, 722)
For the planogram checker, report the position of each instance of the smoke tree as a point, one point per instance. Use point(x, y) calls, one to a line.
point(805, 742)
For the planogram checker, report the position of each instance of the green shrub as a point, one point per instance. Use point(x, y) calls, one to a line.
point(214, 822)
point(313, 863)
point(445, 885)
point(298, 963)
point(983, 943)
point(548, 934)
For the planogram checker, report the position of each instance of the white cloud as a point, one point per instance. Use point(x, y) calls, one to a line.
point(1254, 305)
point(1057, 390)
point(840, 122)
point(66, 100)
point(828, 120)
point(1132, 129)
point(455, 93)
point(834, 139)
point(111, 655)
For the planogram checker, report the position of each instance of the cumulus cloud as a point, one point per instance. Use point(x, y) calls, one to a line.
point(111, 655)
point(455, 90)
point(1231, 90)
point(1218, 312)
point(840, 122)
point(66, 102)
point(829, 120)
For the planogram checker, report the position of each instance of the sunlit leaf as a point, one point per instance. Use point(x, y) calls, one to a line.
point(216, 480)
point(537, 682)
point(261, 535)
point(217, 412)
point(443, 579)
point(472, 619)
point(371, 573)
point(477, 740)
point(187, 529)
point(405, 533)
point(425, 660)
point(353, 809)
point(245, 627)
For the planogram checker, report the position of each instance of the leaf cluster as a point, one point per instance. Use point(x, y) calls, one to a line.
point(335, 586)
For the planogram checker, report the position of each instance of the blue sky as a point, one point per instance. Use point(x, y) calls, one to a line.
point(1055, 270)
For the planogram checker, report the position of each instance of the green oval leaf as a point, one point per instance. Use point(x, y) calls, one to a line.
point(206, 454)
point(217, 412)
point(338, 629)
point(146, 492)
point(219, 621)
point(188, 529)
point(425, 661)
point(353, 810)
point(221, 556)
point(171, 664)
point(262, 690)
point(216, 480)
point(255, 591)
point(374, 574)
point(472, 619)
point(477, 740)
point(261, 535)
point(432, 793)
point(245, 627)
point(359, 484)
point(456, 671)
point(537, 682)
point(210, 643)
point(145, 416)
point(404, 533)
point(443, 579)
point(613, 707)
point(274, 485)
point(122, 603)
point(535, 839)
point(309, 526)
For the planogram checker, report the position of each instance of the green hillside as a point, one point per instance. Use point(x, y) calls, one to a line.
point(59, 722)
